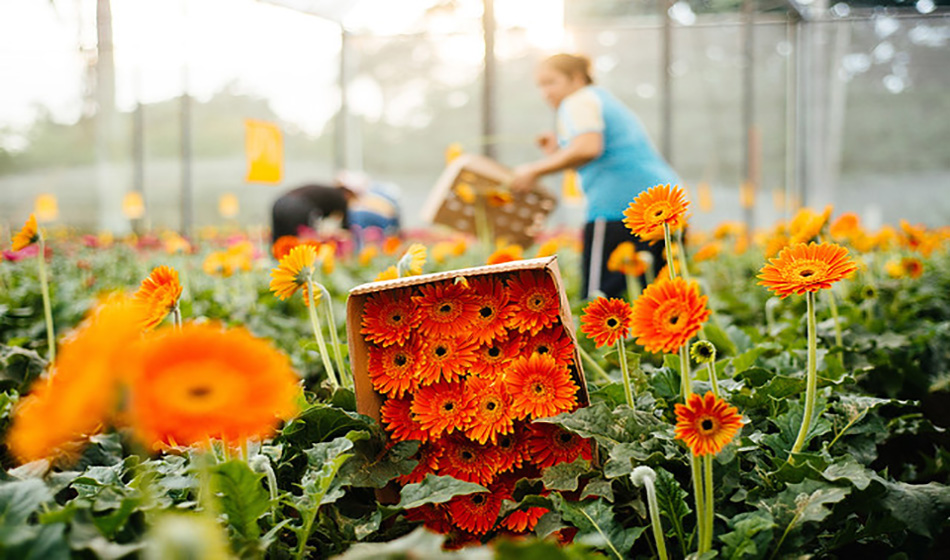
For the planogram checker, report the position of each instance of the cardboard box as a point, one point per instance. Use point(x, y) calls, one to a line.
point(519, 220)
point(368, 401)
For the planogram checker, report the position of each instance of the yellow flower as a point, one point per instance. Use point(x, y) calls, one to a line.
point(367, 254)
point(412, 261)
point(293, 272)
point(807, 224)
point(389, 274)
point(217, 263)
point(548, 248)
point(28, 234)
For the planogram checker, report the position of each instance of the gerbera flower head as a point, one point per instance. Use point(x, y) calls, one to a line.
point(505, 254)
point(654, 207)
point(806, 268)
point(467, 460)
point(667, 314)
point(389, 317)
point(412, 261)
point(625, 260)
point(534, 301)
point(283, 245)
point(703, 352)
point(707, 252)
point(706, 424)
point(492, 404)
point(158, 294)
point(445, 358)
point(606, 321)
point(540, 387)
point(549, 444)
point(61, 411)
point(912, 267)
point(847, 226)
point(554, 342)
point(493, 359)
point(442, 408)
point(511, 448)
point(28, 234)
point(493, 309)
point(475, 513)
point(397, 417)
point(294, 272)
point(807, 224)
point(392, 369)
point(445, 309)
point(201, 382)
point(523, 520)
point(389, 274)
point(434, 517)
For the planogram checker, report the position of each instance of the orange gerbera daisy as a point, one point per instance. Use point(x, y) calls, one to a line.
point(493, 309)
point(549, 444)
point(654, 207)
point(806, 268)
point(294, 272)
point(554, 342)
point(807, 224)
point(442, 408)
point(534, 302)
point(625, 260)
point(847, 226)
point(283, 245)
point(158, 294)
point(492, 404)
point(28, 234)
point(468, 460)
point(445, 309)
point(392, 369)
point(428, 463)
point(540, 387)
point(389, 317)
point(60, 411)
point(706, 423)
point(399, 422)
point(606, 321)
point(510, 448)
point(188, 385)
point(505, 254)
point(493, 359)
point(707, 252)
point(523, 520)
point(475, 513)
point(667, 314)
point(445, 358)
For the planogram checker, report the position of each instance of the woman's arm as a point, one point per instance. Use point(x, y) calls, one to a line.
point(583, 149)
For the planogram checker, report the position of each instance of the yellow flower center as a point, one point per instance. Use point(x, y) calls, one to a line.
point(807, 271)
point(658, 212)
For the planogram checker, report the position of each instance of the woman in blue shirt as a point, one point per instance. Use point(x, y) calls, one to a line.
point(605, 141)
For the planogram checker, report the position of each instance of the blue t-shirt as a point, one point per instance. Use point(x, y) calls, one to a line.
point(629, 164)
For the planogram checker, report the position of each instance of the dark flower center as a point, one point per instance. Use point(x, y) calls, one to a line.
point(658, 213)
point(494, 352)
point(706, 424)
point(467, 455)
point(396, 318)
point(612, 322)
point(674, 319)
point(542, 349)
point(478, 499)
point(445, 308)
point(538, 388)
point(448, 407)
point(441, 351)
point(486, 312)
point(200, 392)
point(491, 405)
point(505, 442)
point(806, 273)
point(566, 437)
point(400, 360)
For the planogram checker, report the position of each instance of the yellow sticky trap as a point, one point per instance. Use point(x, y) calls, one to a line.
point(570, 189)
point(46, 208)
point(228, 205)
point(133, 206)
point(264, 147)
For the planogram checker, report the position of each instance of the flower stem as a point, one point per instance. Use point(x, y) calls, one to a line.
point(696, 469)
point(176, 316)
point(593, 364)
point(633, 287)
point(655, 520)
point(334, 337)
point(708, 514)
point(625, 369)
point(47, 307)
point(669, 251)
point(713, 380)
point(685, 377)
point(833, 304)
point(682, 255)
point(811, 387)
point(318, 335)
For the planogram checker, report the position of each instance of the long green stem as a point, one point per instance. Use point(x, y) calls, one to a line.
point(685, 377)
point(633, 287)
point(713, 380)
point(833, 304)
point(811, 386)
point(176, 316)
point(682, 255)
point(696, 470)
point(593, 364)
point(669, 251)
point(655, 520)
point(334, 337)
point(318, 335)
point(708, 514)
point(47, 307)
point(625, 369)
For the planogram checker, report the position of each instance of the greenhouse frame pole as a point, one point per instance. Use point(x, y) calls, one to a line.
point(666, 83)
point(340, 149)
point(749, 157)
point(488, 81)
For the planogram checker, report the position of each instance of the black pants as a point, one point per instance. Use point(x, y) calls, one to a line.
point(599, 242)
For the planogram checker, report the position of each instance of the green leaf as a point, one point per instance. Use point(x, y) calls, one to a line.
point(19, 367)
point(789, 423)
point(18, 501)
point(724, 346)
point(597, 526)
point(435, 490)
point(371, 469)
point(242, 499)
point(859, 476)
point(598, 488)
point(665, 383)
point(674, 506)
point(321, 423)
point(924, 508)
point(49, 544)
point(750, 537)
point(417, 544)
point(533, 549)
point(807, 500)
point(564, 476)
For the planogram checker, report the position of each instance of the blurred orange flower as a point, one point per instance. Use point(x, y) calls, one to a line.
point(625, 260)
point(28, 234)
point(158, 294)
